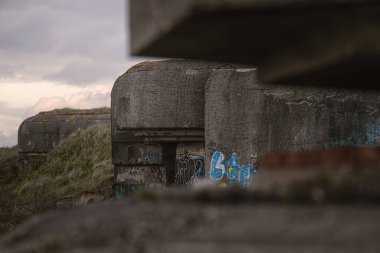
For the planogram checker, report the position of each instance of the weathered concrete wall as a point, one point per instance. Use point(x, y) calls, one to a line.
point(250, 118)
point(37, 135)
point(158, 117)
point(147, 176)
point(158, 112)
point(165, 95)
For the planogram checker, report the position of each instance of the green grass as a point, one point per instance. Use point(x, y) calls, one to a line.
point(79, 163)
point(8, 153)
point(8, 163)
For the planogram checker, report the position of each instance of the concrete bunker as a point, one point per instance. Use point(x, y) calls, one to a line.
point(158, 123)
point(37, 135)
point(169, 117)
point(251, 118)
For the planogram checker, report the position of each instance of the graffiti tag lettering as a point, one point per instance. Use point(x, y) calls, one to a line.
point(189, 169)
point(236, 174)
point(233, 167)
point(217, 166)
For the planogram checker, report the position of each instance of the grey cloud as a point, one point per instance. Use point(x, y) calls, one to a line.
point(94, 8)
point(31, 35)
point(83, 73)
point(8, 141)
point(14, 112)
point(15, 4)
point(10, 119)
point(8, 71)
point(63, 35)
point(101, 39)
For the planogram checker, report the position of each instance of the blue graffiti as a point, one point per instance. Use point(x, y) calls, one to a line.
point(352, 140)
point(373, 129)
point(153, 157)
point(242, 176)
point(370, 136)
point(218, 167)
point(373, 133)
point(233, 167)
point(118, 190)
point(247, 175)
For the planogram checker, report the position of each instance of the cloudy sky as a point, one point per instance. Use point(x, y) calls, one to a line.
point(58, 53)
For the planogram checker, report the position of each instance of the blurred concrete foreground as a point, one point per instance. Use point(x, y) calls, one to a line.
point(318, 149)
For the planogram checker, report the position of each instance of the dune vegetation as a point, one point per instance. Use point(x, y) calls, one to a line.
point(79, 163)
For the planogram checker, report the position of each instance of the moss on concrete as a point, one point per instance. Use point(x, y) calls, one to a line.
point(70, 111)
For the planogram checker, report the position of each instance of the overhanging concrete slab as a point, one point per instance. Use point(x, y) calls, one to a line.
point(328, 43)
